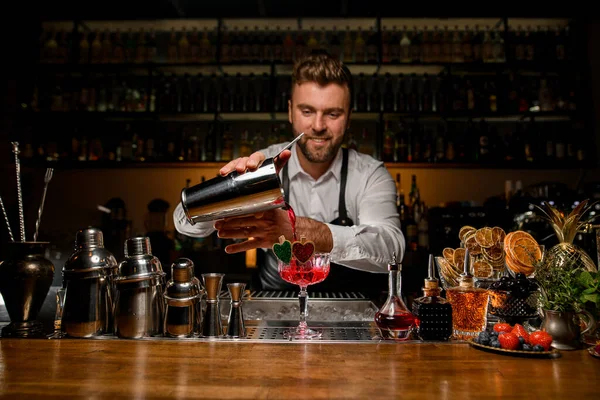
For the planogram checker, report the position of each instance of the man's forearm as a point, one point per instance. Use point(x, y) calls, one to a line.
point(315, 231)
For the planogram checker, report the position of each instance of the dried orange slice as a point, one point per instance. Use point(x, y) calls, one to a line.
point(448, 254)
point(526, 251)
point(459, 258)
point(510, 239)
point(498, 235)
point(464, 231)
point(482, 269)
point(483, 237)
point(494, 253)
point(472, 245)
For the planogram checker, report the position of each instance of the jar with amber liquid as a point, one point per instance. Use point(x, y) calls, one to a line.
point(469, 305)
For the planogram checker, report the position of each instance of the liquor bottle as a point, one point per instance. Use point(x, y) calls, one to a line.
point(245, 145)
point(433, 313)
point(225, 55)
point(372, 46)
point(277, 45)
point(172, 47)
point(457, 47)
point(469, 305)
point(335, 45)
point(348, 46)
point(446, 45)
point(299, 46)
point(467, 45)
point(498, 50)
point(401, 101)
point(488, 46)
point(258, 141)
point(199, 103)
point(187, 95)
point(518, 43)
point(288, 46)
point(251, 103)
point(402, 144)
point(130, 46)
point(194, 46)
point(239, 102)
point(84, 49)
point(151, 50)
point(477, 45)
point(359, 47)
point(361, 95)
point(386, 55)
point(436, 46)
point(227, 145)
point(388, 94)
point(393, 319)
point(183, 47)
point(405, 43)
point(210, 144)
point(427, 98)
point(118, 55)
point(388, 143)
point(375, 97)
point(312, 43)
point(96, 48)
point(366, 144)
point(256, 45)
point(246, 40)
point(225, 95)
point(426, 46)
point(140, 50)
point(107, 50)
point(415, 46)
point(395, 52)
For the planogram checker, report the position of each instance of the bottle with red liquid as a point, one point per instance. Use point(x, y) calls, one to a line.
point(393, 319)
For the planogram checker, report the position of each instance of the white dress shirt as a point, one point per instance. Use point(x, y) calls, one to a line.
point(370, 201)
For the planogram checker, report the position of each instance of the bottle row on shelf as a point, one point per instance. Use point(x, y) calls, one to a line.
point(398, 93)
point(402, 141)
point(435, 44)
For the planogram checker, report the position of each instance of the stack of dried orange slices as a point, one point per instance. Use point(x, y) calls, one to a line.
point(486, 246)
point(522, 252)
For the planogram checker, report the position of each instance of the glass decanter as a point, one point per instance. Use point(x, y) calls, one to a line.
point(433, 313)
point(469, 305)
point(393, 319)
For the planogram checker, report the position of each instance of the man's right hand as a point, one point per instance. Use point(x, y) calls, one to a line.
point(252, 162)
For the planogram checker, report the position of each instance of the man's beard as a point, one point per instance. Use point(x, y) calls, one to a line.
point(322, 156)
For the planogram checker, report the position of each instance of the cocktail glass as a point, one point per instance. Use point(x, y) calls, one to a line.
point(313, 271)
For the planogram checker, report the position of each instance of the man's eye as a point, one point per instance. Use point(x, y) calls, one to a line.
point(334, 115)
point(306, 112)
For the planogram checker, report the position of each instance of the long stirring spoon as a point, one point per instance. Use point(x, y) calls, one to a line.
point(47, 178)
point(19, 192)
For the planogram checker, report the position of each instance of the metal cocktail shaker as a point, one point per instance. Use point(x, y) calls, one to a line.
point(182, 301)
point(88, 278)
point(139, 305)
point(233, 195)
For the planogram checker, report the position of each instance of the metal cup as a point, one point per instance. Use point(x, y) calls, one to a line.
point(233, 195)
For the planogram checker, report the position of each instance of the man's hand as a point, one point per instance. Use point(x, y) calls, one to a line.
point(252, 162)
point(261, 230)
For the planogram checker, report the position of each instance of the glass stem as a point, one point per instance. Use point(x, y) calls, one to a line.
point(303, 297)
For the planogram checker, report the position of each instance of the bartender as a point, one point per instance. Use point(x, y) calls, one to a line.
point(345, 201)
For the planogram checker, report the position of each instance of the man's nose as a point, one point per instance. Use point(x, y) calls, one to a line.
point(319, 123)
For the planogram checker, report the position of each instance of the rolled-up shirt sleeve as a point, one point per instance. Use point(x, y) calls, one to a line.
point(199, 229)
point(376, 235)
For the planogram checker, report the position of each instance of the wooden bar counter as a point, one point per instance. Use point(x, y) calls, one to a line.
point(94, 369)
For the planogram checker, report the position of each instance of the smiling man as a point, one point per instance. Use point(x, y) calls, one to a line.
point(345, 201)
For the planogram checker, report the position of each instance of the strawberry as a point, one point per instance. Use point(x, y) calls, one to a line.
point(509, 341)
point(520, 331)
point(542, 338)
point(502, 327)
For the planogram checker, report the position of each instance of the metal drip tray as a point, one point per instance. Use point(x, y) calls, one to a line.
point(319, 309)
point(330, 333)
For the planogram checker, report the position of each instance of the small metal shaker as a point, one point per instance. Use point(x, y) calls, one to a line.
point(182, 297)
point(139, 305)
point(212, 326)
point(88, 278)
point(235, 321)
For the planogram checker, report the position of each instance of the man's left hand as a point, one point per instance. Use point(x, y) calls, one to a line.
point(260, 230)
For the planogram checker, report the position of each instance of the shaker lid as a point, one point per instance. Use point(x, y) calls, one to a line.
point(182, 270)
point(89, 238)
point(138, 246)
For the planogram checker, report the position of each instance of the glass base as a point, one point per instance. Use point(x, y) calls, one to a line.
point(302, 332)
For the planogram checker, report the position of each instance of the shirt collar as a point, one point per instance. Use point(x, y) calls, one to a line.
point(294, 167)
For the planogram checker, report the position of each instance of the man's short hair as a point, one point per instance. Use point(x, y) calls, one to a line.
point(323, 69)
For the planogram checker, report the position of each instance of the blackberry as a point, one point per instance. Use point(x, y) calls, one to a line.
point(483, 338)
point(522, 340)
point(496, 344)
point(527, 347)
point(538, 347)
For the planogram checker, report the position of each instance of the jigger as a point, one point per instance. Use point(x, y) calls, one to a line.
point(211, 323)
point(235, 321)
